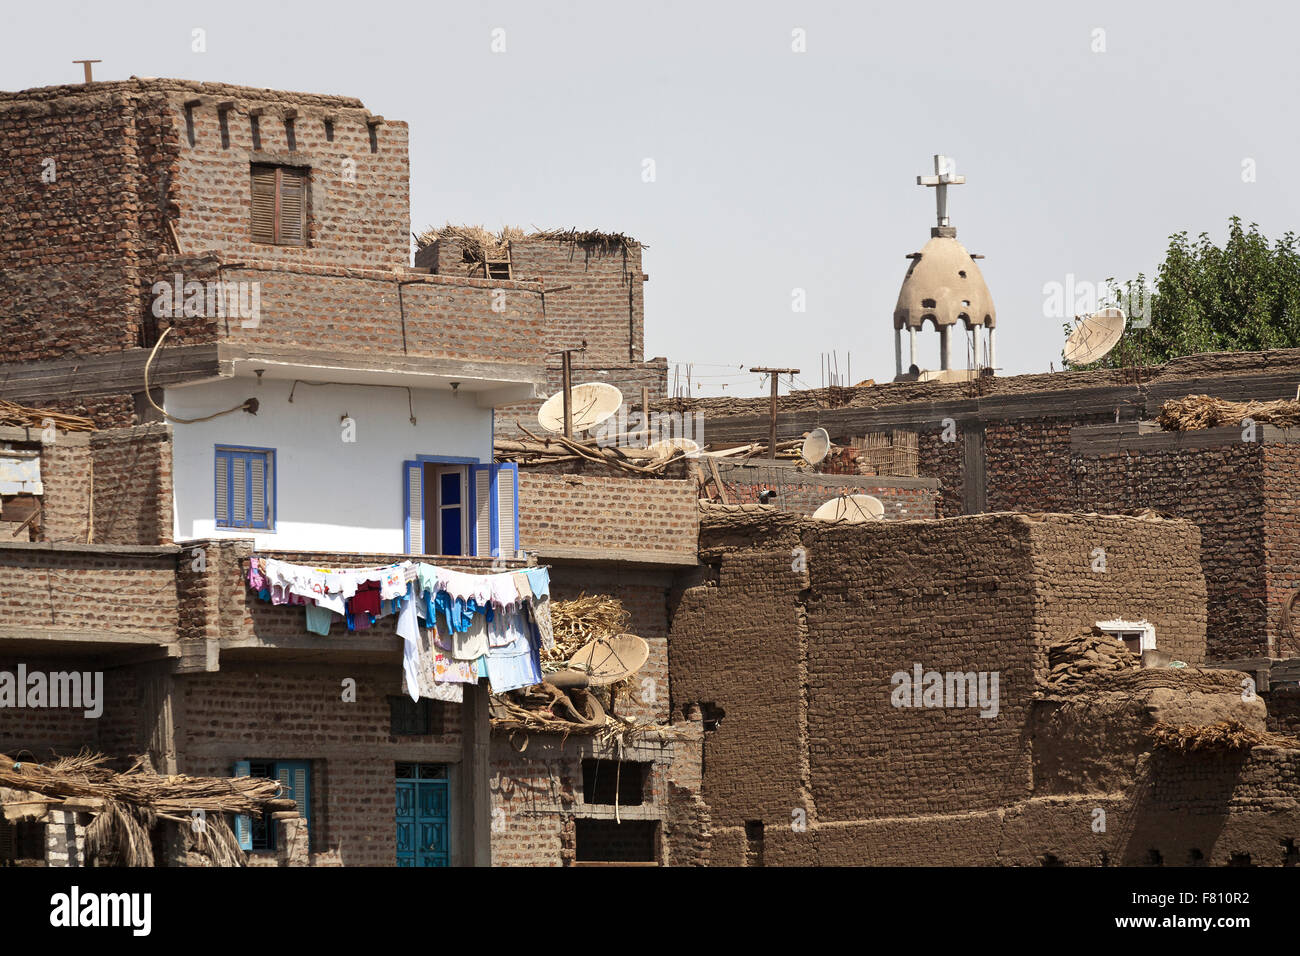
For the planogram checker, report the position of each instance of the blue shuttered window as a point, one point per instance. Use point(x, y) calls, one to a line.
point(295, 783)
point(433, 510)
point(244, 488)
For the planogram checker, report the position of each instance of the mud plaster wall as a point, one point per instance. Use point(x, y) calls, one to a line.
point(967, 594)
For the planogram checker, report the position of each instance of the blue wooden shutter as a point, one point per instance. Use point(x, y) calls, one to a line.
point(484, 498)
point(221, 481)
point(506, 517)
point(413, 506)
point(295, 779)
point(243, 823)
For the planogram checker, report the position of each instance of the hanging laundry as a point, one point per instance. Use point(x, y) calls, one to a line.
point(319, 619)
point(539, 582)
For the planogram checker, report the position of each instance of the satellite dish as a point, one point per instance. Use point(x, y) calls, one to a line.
point(1094, 337)
point(816, 446)
point(851, 509)
point(608, 660)
point(593, 402)
point(671, 446)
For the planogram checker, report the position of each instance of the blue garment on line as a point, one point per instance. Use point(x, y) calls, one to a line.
point(457, 612)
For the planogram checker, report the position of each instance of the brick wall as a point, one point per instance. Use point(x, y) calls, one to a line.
point(562, 512)
point(1280, 463)
point(73, 249)
point(537, 795)
point(1213, 479)
point(133, 485)
point(593, 294)
point(297, 712)
point(98, 590)
point(359, 212)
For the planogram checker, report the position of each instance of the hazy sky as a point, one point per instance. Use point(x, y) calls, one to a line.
point(777, 170)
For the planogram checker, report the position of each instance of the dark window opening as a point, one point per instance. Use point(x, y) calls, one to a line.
point(329, 131)
point(611, 781)
point(1290, 853)
point(712, 715)
point(414, 718)
point(1050, 859)
point(753, 843)
point(421, 771)
point(1239, 859)
point(1154, 858)
point(928, 304)
point(1196, 858)
point(279, 207)
point(21, 841)
point(607, 841)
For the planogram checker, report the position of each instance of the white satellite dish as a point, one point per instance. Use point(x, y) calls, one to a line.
point(593, 402)
point(671, 446)
point(816, 446)
point(851, 509)
point(1094, 336)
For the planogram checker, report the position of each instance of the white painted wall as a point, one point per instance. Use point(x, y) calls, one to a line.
point(330, 495)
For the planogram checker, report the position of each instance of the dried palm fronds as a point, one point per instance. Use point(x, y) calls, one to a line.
point(119, 835)
point(578, 622)
point(1224, 736)
point(127, 806)
point(482, 243)
point(1204, 411)
point(25, 416)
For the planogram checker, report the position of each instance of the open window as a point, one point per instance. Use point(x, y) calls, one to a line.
point(1137, 636)
point(457, 509)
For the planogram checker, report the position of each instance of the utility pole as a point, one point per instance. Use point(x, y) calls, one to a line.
point(566, 365)
point(776, 374)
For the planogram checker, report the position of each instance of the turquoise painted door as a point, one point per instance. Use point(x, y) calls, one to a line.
point(422, 822)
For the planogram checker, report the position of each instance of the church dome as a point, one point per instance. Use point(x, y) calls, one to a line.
point(944, 284)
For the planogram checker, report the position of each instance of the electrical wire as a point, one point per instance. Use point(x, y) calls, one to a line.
point(163, 412)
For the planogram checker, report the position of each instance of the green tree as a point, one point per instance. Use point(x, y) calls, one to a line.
point(1242, 297)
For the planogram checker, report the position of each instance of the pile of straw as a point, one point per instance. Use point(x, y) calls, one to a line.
point(482, 244)
point(1227, 736)
point(24, 416)
point(578, 622)
point(1203, 411)
point(133, 802)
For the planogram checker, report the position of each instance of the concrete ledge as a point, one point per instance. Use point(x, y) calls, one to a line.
point(619, 557)
point(152, 550)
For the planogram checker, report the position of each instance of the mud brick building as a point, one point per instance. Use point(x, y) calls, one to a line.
point(809, 758)
point(248, 250)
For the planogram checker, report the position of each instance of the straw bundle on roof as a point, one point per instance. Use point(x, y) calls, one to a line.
point(1204, 411)
point(25, 416)
point(1224, 736)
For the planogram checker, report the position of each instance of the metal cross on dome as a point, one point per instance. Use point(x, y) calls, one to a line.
point(944, 176)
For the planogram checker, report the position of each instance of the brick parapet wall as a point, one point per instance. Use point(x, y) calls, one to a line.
point(803, 492)
point(607, 514)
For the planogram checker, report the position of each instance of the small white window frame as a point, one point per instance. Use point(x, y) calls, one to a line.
point(1144, 632)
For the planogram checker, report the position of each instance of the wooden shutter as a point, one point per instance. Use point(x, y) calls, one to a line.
point(239, 481)
point(413, 492)
point(257, 491)
point(263, 215)
point(482, 509)
point(223, 489)
point(507, 514)
point(243, 823)
point(295, 779)
point(293, 207)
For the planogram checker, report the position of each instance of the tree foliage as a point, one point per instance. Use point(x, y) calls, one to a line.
point(1242, 297)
